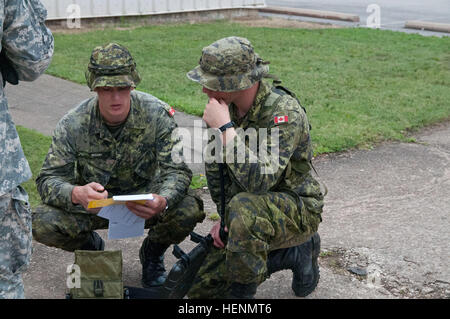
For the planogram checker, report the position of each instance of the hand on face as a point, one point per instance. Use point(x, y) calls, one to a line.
point(216, 113)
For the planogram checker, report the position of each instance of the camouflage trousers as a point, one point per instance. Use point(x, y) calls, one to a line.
point(15, 242)
point(69, 231)
point(257, 224)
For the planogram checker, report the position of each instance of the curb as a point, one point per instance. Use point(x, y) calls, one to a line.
point(430, 26)
point(331, 15)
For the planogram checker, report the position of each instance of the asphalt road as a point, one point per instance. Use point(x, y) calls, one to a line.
point(393, 13)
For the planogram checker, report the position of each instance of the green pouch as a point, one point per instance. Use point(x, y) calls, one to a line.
point(100, 275)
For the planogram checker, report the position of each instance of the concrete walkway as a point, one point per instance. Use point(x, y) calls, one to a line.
point(385, 230)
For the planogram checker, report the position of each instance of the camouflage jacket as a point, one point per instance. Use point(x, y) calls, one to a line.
point(139, 161)
point(285, 170)
point(29, 47)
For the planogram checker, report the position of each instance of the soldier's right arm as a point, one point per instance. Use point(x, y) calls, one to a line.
point(27, 41)
point(57, 177)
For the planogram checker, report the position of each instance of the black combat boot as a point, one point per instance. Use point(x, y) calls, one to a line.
point(94, 242)
point(242, 291)
point(152, 260)
point(302, 260)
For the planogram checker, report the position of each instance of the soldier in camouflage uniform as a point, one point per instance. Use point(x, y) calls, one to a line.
point(26, 47)
point(273, 205)
point(117, 143)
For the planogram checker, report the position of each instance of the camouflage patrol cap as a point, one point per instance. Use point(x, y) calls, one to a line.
point(111, 65)
point(229, 64)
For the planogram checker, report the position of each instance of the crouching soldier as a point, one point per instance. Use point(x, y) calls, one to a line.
point(273, 204)
point(117, 143)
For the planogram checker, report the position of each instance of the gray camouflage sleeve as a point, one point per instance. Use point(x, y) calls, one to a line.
point(27, 41)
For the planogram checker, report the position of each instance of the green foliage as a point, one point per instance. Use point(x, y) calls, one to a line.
point(214, 216)
point(198, 181)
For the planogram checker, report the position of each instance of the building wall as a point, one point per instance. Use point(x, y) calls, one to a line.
point(62, 9)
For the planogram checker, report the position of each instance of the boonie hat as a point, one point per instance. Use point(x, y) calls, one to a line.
point(111, 65)
point(229, 64)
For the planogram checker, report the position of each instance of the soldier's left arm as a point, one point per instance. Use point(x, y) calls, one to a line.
point(263, 170)
point(27, 41)
point(175, 174)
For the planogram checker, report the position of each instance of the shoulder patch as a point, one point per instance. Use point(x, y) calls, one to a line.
point(171, 111)
point(168, 109)
point(281, 119)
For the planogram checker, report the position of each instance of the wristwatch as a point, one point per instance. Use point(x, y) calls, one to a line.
point(224, 127)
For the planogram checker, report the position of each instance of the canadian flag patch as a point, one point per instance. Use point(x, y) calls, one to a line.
point(281, 119)
point(171, 111)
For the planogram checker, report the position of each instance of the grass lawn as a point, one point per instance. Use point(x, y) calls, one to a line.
point(359, 86)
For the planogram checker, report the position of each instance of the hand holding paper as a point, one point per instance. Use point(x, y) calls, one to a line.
point(150, 208)
point(143, 205)
point(84, 195)
point(121, 200)
point(127, 213)
point(123, 223)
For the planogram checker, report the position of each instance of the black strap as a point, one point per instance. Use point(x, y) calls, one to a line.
point(222, 233)
point(9, 74)
point(277, 85)
point(224, 127)
point(98, 288)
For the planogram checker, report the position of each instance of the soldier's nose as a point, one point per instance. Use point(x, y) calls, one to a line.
point(115, 95)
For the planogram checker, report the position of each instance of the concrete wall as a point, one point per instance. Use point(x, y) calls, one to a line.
point(62, 9)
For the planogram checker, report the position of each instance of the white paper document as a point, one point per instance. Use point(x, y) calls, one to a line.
point(119, 231)
point(123, 223)
point(127, 198)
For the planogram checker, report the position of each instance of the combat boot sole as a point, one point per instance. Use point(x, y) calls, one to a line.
point(299, 288)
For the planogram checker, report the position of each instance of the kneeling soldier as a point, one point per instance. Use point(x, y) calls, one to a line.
point(117, 143)
point(273, 205)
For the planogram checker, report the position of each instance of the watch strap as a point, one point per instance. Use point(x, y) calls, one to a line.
point(224, 127)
